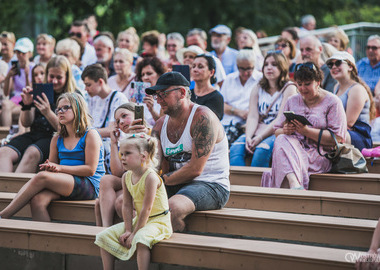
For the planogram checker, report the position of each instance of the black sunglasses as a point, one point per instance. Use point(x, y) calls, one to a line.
point(337, 63)
point(308, 65)
point(373, 48)
point(78, 35)
point(281, 45)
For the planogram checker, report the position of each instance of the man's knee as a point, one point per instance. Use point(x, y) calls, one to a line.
point(180, 206)
point(7, 153)
point(32, 154)
point(110, 182)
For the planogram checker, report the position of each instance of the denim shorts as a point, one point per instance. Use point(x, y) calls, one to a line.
point(83, 190)
point(204, 195)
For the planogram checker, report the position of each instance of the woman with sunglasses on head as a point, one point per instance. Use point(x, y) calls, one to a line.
point(295, 153)
point(74, 167)
point(266, 103)
point(32, 148)
point(356, 98)
point(203, 73)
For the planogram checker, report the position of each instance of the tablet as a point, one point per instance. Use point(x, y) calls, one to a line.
point(292, 116)
point(47, 88)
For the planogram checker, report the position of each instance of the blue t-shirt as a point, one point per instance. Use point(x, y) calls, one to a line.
point(76, 157)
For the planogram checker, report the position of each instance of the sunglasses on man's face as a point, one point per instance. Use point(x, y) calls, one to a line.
point(373, 48)
point(337, 63)
point(78, 35)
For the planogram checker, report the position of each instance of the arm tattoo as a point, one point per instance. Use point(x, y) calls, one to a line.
point(203, 136)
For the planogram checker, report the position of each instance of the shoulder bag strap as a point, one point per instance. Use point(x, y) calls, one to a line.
point(274, 101)
point(108, 110)
point(319, 143)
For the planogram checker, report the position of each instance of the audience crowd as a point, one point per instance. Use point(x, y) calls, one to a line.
point(206, 110)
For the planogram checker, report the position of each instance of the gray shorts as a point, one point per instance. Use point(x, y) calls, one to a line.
point(204, 195)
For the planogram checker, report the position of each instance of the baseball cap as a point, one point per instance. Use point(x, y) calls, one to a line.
point(342, 56)
point(166, 80)
point(193, 49)
point(221, 29)
point(24, 45)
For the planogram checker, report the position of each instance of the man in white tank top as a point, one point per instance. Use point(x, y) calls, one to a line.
point(194, 150)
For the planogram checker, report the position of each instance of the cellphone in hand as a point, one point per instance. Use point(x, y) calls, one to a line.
point(47, 88)
point(138, 91)
point(139, 113)
point(16, 66)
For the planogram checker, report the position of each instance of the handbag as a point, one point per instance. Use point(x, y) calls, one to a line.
point(345, 157)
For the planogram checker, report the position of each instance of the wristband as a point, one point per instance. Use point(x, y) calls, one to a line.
point(25, 107)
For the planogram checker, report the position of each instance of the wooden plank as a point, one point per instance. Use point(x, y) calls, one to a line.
point(182, 249)
point(4, 131)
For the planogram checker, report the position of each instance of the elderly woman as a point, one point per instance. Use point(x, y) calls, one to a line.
point(186, 56)
point(122, 62)
point(338, 39)
point(236, 91)
point(295, 154)
point(266, 104)
point(174, 42)
point(71, 50)
point(356, 98)
point(128, 39)
point(45, 49)
point(203, 74)
point(248, 39)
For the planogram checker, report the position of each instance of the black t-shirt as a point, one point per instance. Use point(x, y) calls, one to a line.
point(214, 101)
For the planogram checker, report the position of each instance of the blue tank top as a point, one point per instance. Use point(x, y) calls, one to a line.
point(364, 114)
point(76, 157)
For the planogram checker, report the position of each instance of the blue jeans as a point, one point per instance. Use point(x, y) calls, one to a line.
point(261, 155)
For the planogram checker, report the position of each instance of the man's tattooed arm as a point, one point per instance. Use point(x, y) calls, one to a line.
point(203, 136)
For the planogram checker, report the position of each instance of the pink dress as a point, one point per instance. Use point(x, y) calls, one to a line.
point(298, 154)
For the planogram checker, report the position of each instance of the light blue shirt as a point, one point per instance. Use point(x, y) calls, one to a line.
point(228, 60)
point(369, 74)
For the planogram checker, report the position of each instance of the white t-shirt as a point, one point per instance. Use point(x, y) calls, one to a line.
point(89, 56)
point(237, 95)
point(98, 108)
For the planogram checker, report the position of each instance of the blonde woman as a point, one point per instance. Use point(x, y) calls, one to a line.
point(122, 62)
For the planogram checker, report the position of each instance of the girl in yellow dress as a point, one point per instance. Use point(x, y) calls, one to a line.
point(145, 191)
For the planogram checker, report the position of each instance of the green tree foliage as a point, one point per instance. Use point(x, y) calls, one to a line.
point(30, 17)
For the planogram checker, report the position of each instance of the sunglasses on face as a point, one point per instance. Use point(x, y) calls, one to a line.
point(63, 109)
point(163, 94)
point(308, 65)
point(72, 34)
point(337, 63)
point(243, 69)
point(281, 46)
point(373, 48)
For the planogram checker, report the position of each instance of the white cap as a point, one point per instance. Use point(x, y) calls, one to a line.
point(24, 45)
point(342, 56)
point(193, 48)
point(221, 29)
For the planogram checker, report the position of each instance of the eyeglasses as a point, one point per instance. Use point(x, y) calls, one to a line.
point(78, 35)
point(164, 94)
point(245, 69)
point(281, 45)
point(337, 63)
point(62, 109)
point(308, 65)
point(373, 48)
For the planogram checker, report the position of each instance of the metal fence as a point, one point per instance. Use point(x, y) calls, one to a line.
point(358, 34)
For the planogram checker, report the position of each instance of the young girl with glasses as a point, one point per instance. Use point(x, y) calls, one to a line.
point(74, 167)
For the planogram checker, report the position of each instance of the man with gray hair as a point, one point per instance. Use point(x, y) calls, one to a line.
point(311, 50)
point(198, 37)
point(104, 49)
point(174, 42)
point(369, 67)
point(220, 38)
point(194, 147)
point(308, 23)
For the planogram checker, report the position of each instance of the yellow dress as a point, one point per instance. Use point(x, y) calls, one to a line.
point(157, 228)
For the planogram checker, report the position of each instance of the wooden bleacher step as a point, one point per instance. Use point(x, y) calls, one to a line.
point(240, 222)
point(4, 131)
point(182, 249)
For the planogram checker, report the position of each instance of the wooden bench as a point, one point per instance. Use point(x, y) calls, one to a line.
point(182, 249)
point(242, 222)
point(366, 183)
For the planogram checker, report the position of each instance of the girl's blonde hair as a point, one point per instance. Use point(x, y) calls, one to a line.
point(143, 142)
point(48, 38)
point(62, 63)
point(82, 119)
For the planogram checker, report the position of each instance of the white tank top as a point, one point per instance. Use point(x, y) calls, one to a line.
point(217, 168)
point(265, 100)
